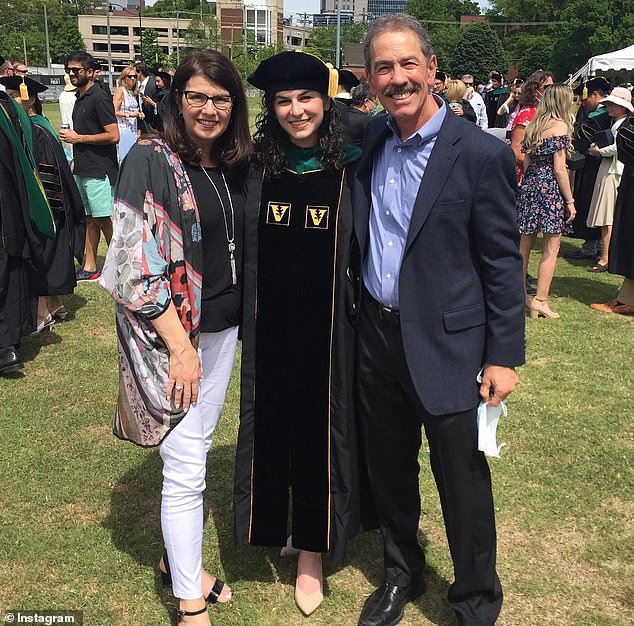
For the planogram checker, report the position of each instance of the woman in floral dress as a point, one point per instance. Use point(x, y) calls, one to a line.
point(545, 203)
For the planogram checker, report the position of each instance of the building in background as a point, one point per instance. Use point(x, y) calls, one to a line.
point(125, 36)
point(295, 36)
point(261, 20)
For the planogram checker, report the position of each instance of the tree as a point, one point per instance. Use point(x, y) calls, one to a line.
point(204, 33)
point(323, 41)
point(591, 27)
point(153, 55)
point(25, 18)
point(478, 51)
point(530, 52)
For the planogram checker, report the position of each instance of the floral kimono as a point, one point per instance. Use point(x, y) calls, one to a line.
point(155, 258)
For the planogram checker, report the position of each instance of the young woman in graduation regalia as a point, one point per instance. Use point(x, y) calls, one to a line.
point(297, 441)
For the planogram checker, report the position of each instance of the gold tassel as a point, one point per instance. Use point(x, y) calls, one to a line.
point(584, 92)
point(24, 91)
point(333, 80)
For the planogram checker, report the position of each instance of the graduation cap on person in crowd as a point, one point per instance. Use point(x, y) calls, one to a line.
point(441, 76)
point(496, 76)
point(295, 70)
point(598, 83)
point(347, 79)
point(27, 87)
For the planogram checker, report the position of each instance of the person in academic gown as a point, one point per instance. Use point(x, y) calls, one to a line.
point(24, 211)
point(297, 439)
point(591, 119)
point(493, 99)
point(621, 258)
point(56, 275)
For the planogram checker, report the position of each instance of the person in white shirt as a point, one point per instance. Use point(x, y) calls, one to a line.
point(476, 102)
point(67, 100)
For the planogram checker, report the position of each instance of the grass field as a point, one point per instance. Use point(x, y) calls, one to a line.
point(79, 509)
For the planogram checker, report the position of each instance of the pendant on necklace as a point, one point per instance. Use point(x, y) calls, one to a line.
point(232, 264)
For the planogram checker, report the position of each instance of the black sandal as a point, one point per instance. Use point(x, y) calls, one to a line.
point(179, 614)
point(212, 597)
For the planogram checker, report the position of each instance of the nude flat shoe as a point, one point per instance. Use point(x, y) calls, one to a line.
point(308, 603)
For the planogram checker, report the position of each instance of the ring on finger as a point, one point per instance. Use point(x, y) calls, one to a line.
point(178, 387)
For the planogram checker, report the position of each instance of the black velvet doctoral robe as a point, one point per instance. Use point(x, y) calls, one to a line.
point(297, 451)
point(56, 277)
point(18, 244)
point(622, 239)
point(586, 125)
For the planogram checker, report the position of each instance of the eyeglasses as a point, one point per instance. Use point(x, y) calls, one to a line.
point(74, 70)
point(24, 72)
point(468, 84)
point(133, 76)
point(196, 99)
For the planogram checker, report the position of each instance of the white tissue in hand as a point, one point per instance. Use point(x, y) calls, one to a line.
point(488, 417)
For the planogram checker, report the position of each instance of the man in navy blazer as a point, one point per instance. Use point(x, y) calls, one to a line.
point(442, 298)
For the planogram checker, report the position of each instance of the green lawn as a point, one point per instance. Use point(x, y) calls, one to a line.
point(79, 509)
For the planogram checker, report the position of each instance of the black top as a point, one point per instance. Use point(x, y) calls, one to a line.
point(92, 113)
point(221, 306)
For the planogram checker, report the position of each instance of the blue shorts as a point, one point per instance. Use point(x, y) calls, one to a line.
point(97, 194)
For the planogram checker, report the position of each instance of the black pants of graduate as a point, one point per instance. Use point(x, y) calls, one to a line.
point(392, 417)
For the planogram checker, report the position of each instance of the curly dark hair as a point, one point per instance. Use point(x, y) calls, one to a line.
point(272, 142)
point(534, 84)
point(232, 149)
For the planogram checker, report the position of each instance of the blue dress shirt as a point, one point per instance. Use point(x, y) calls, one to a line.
point(397, 172)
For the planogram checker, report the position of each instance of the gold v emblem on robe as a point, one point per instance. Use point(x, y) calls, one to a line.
point(317, 217)
point(278, 213)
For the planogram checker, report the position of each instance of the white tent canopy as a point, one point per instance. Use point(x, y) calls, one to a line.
point(617, 60)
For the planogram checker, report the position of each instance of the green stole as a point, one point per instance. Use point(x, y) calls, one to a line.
point(302, 160)
point(42, 121)
point(39, 207)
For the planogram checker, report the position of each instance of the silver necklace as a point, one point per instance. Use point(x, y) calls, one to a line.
point(230, 240)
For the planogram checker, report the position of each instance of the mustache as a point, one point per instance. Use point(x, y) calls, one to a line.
point(401, 90)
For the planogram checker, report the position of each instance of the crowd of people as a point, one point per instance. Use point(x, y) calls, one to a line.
point(376, 264)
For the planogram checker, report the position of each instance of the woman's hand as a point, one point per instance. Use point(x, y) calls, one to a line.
point(141, 115)
point(594, 150)
point(571, 211)
point(184, 374)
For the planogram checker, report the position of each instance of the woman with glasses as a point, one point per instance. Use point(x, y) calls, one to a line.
point(297, 440)
point(126, 110)
point(174, 268)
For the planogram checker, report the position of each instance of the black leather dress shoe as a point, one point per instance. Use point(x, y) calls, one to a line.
point(10, 360)
point(386, 606)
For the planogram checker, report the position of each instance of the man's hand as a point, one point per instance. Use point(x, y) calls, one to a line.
point(69, 136)
point(497, 383)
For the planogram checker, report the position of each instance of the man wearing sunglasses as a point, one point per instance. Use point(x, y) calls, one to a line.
point(476, 102)
point(95, 135)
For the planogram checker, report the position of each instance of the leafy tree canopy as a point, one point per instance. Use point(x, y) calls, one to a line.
point(323, 41)
point(478, 51)
point(23, 23)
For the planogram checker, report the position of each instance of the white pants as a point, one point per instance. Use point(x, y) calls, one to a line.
point(184, 454)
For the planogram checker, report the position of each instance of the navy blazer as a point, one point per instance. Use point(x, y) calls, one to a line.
point(460, 283)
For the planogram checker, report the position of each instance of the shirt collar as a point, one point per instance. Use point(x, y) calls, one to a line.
point(79, 95)
point(429, 130)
